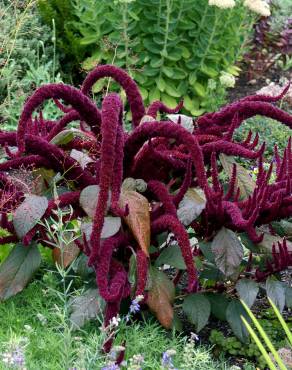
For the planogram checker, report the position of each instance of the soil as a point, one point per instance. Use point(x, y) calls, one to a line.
point(245, 87)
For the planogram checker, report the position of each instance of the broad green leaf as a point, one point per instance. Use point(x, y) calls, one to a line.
point(160, 297)
point(171, 256)
point(228, 251)
point(110, 227)
point(219, 303)
point(154, 95)
point(172, 91)
point(28, 214)
point(160, 82)
point(206, 248)
point(288, 297)
point(86, 307)
point(138, 219)
point(192, 205)
point(18, 269)
point(81, 267)
point(88, 199)
point(276, 291)
point(64, 137)
point(169, 101)
point(167, 71)
point(198, 309)
point(209, 71)
point(233, 315)
point(244, 180)
point(247, 290)
point(200, 89)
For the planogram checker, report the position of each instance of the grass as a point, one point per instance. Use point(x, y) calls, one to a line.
point(48, 345)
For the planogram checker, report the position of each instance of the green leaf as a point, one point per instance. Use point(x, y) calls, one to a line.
point(192, 205)
point(86, 307)
point(110, 227)
point(228, 251)
point(64, 137)
point(288, 297)
point(154, 95)
point(219, 303)
point(247, 290)
point(276, 291)
point(167, 71)
point(18, 269)
point(28, 214)
point(160, 82)
point(244, 180)
point(169, 101)
point(209, 71)
point(172, 91)
point(233, 315)
point(88, 199)
point(206, 248)
point(198, 309)
point(199, 89)
point(81, 267)
point(171, 256)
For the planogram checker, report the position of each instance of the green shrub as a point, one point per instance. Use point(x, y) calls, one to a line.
point(172, 48)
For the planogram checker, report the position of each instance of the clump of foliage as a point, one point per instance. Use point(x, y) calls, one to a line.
point(171, 47)
point(232, 345)
point(167, 193)
point(27, 58)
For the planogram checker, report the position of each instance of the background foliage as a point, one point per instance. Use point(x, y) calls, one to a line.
point(172, 48)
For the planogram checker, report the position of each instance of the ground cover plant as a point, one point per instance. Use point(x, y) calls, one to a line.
point(166, 194)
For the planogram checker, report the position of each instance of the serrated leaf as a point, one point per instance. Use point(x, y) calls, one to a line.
point(198, 309)
point(82, 158)
point(233, 315)
point(65, 256)
point(18, 269)
point(243, 178)
point(192, 205)
point(28, 214)
point(110, 227)
point(171, 256)
point(228, 251)
point(88, 199)
point(85, 307)
point(276, 291)
point(160, 297)
point(138, 219)
point(247, 290)
point(219, 304)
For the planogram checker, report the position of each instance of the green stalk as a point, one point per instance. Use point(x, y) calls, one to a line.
point(211, 38)
point(54, 45)
point(125, 31)
point(166, 31)
point(265, 337)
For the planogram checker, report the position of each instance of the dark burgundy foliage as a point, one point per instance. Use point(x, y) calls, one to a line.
point(167, 156)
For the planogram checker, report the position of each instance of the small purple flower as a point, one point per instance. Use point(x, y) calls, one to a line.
point(111, 367)
point(135, 307)
point(166, 361)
